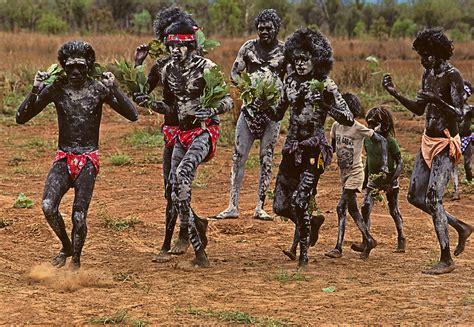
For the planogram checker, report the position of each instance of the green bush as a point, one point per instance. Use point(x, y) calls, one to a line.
point(49, 23)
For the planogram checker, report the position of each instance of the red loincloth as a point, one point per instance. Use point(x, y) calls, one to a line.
point(75, 162)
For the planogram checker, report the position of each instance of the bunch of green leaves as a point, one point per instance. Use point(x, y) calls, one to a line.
point(263, 88)
point(375, 177)
point(205, 43)
point(316, 85)
point(55, 72)
point(375, 66)
point(22, 202)
point(378, 196)
point(156, 49)
point(215, 89)
point(132, 78)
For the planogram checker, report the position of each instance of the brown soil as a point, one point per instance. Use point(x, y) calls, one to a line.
point(249, 273)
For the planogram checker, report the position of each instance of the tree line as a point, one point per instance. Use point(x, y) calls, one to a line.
point(348, 18)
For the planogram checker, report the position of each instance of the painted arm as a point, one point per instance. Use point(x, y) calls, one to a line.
point(366, 173)
point(239, 65)
point(36, 100)
point(398, 168)
point(336, 107)
point(117, 100)
point(418, 108)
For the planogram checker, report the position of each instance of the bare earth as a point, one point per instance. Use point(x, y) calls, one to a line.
point(249, 273)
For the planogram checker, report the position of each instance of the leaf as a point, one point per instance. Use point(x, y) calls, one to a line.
point(200, 37)
point(22, 202)
point(372, 59)
point(330, 289)
point(211, 45)
point(156, 49)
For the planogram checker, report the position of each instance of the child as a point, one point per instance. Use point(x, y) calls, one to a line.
point(347, 142)
point(466, 140)
point(78, 100)
point(375, 178)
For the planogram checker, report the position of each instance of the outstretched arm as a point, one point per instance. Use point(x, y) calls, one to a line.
point(36, 100)
point(417, 107)
point(335, 105)
point(117, 100)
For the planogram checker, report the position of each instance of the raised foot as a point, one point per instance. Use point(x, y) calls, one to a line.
point(262, 215)
point(463, 236)
point(181, 246)
point(357, 247)
point(162, 257)
point(201, 259)
point(201, 226)
point(290, 254)
point(229, 213)
point(440, 268)
point(60, 260)
point(316, 223)
point(370, 246)
point(334, 253)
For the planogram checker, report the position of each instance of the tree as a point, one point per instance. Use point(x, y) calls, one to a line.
point(379, 29)
point(51, 24)
point(225, 16)
point(432, 13)
point(403, 27)
point(141, 21)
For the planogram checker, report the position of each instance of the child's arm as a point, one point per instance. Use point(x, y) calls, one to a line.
point(117, 100)
point(377, 138)
point(337, 107)
point(398, 169)
point(36, 100)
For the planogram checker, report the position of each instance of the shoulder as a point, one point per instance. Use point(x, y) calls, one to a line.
point(248, 45)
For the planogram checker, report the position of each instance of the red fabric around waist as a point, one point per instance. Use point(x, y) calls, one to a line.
point(75, 162)
point(186, 138)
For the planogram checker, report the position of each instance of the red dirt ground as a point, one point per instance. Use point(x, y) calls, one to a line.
point(249, 273)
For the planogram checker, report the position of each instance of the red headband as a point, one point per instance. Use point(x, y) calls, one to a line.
point(180, 37)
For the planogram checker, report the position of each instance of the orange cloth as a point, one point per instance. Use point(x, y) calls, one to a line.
point(431, 146)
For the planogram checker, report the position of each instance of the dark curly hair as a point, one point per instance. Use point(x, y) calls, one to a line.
point(384, 117)
point(268, 15)
point(435, 42)
point(353, 103)
point(315, 43)
point(77, 49)
point(168, 16)
point(182, 27)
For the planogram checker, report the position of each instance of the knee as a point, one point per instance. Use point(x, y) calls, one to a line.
point(340, 209)
point(237, 157)
point(432, 202)
point(79, 220)
point(49, 209)
point(415, 200)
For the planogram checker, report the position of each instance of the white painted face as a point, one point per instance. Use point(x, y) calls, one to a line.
point(76, 71)
point(179, 51)
point(266, 31)
point(303, 63)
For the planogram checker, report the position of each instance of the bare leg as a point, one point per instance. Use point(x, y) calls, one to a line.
point(392, 199)
point(83, 188)
point(367, 206)
point(468, 162)
point(267, 145)
point(170, 212)
point(291, 253)
point(57, 184)
point(185, 173)
point(243, 144)
point(341, 226)
point(455, 178)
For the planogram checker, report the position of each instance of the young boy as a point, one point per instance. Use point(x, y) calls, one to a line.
point(347, 142)
point(78, 100)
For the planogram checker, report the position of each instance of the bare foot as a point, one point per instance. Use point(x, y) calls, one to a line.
point(303, 263)
point(371, 244)
point(75, 264)
point(316, 223)
point(60, 260)
point(262, 215)
point(181, 246)
point(334, 253)
point(201, 259)
point(455, 197)
point(463, 236)
point(162, 257)
point(290, 254)
point(401, 246)
point(229, 213)
point(440, 268)
point(358, 247)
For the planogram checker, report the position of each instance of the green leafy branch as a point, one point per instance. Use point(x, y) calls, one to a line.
point(252, 88)
point(375, 66)
point(215, 89)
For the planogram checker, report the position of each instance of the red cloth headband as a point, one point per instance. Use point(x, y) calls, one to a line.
point(180, 37)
